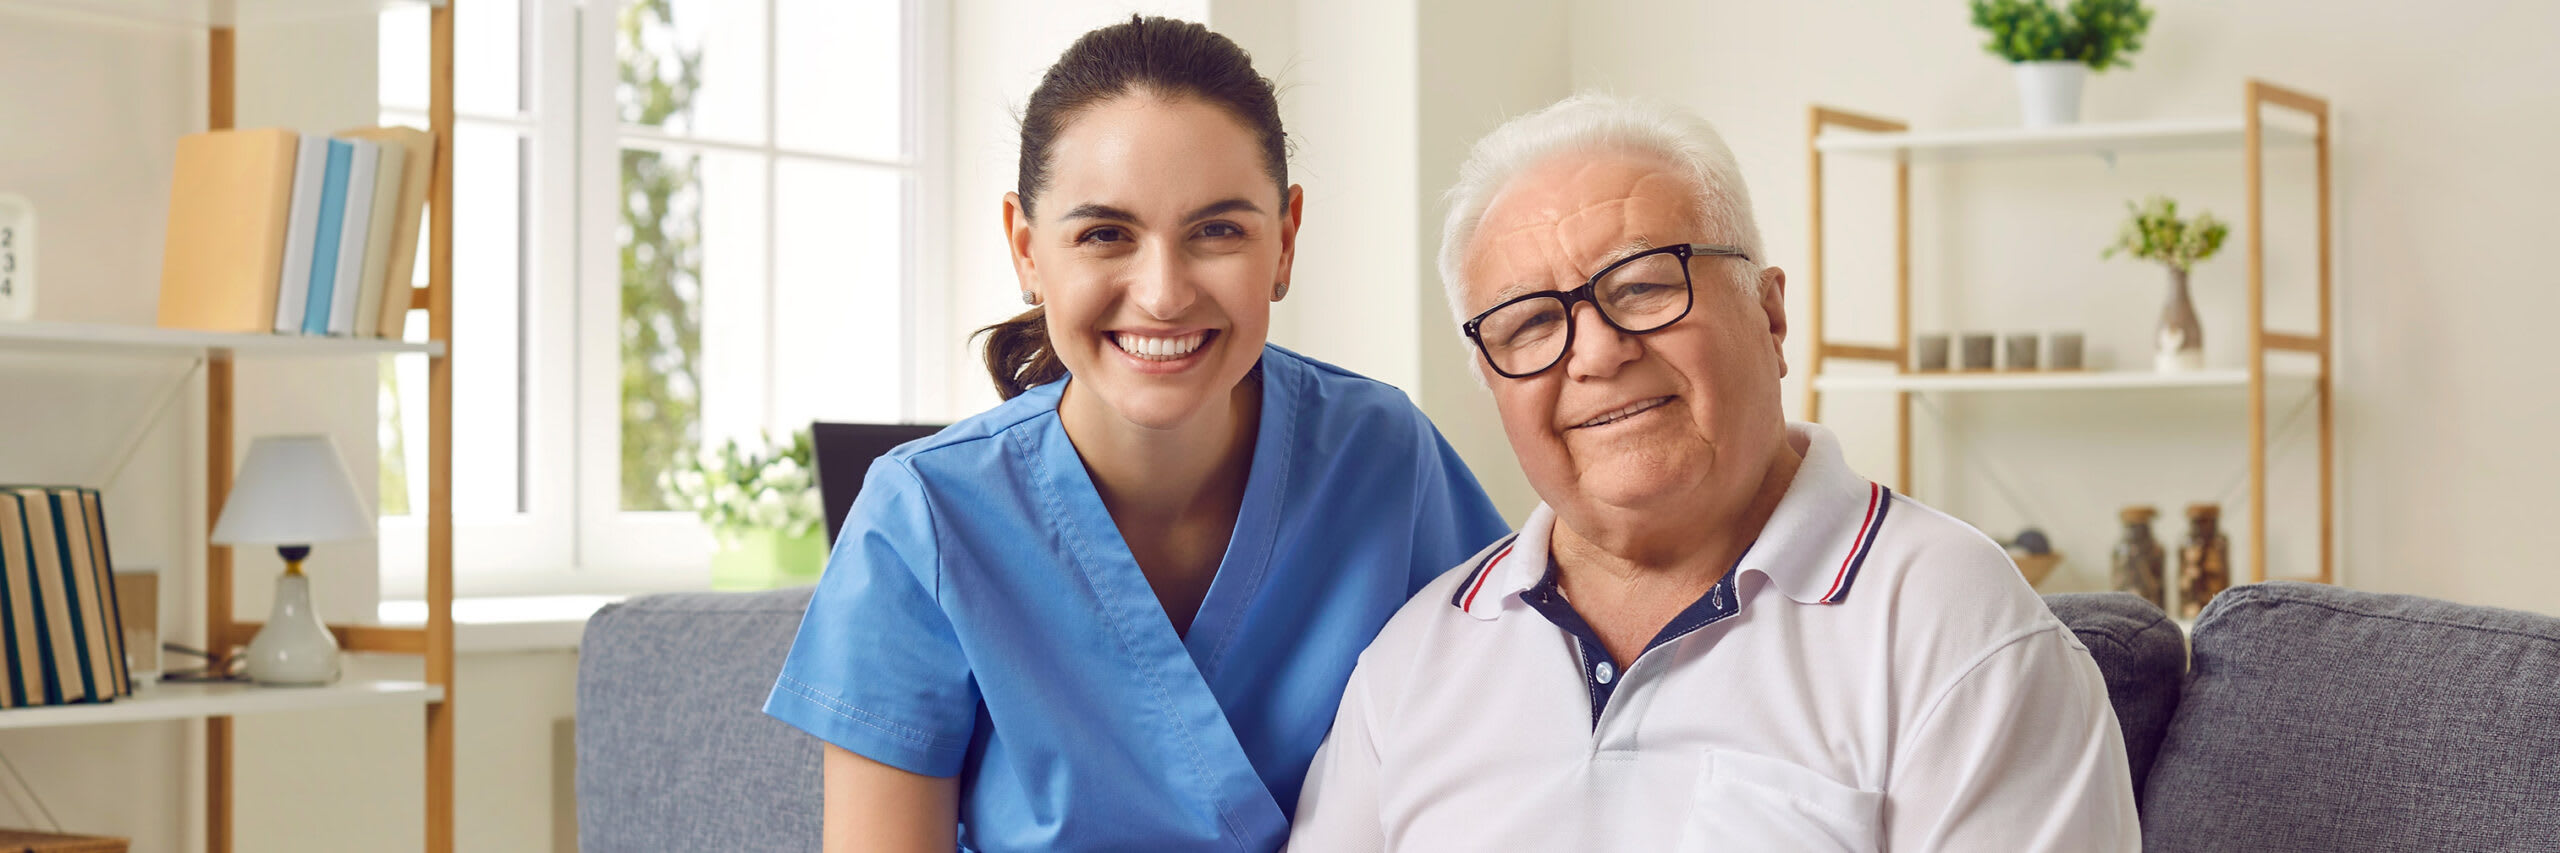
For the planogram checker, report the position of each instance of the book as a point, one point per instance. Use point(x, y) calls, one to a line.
point(416, 177)
point(58, 640)
point(324, 242)
point(115, 585)
point(293, 286)
point(18, 606)
point(365, 160)
point(377, 239)
point(229, 201)
point(93, 515)
point(101, 639)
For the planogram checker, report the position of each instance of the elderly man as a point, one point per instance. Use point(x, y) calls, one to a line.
point(1712, 635)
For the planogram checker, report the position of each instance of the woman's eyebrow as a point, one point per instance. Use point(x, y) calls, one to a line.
point(1099, 211)
point(1214, 208)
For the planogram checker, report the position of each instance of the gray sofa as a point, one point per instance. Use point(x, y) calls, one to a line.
point(2312, 718)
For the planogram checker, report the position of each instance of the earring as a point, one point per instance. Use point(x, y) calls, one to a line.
point(1030, 298)
point(1279, 290)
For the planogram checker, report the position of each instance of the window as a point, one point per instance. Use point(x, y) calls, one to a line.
point(677, 221)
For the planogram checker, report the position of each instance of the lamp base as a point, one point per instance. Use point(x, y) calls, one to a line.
point(294, 647)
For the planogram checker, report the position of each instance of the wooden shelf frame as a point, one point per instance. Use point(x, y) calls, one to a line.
point(1890, 137)
point(434, 642)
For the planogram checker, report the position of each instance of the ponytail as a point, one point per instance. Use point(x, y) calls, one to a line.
point(1018, 354)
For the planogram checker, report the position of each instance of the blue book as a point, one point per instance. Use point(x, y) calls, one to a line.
point(324, 246)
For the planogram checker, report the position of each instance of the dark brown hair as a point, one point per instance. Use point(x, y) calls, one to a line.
point(1157, 56)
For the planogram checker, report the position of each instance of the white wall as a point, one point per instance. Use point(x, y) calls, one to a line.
point(2442, 192)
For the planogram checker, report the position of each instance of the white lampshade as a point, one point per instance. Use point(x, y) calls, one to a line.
point(292, 491)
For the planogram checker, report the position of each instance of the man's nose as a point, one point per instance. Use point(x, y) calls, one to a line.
point(1161, 285)
point(1599, 349)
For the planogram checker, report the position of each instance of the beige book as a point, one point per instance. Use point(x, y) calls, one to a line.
point(89, 615)
point(106, 629)
point(95, 507)
point(377, 239)
point(53, 597)
point(16, 561)
point(228, 203)
point(400, 262)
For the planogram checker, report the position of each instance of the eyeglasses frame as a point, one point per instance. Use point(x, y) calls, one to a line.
point(1589, 291)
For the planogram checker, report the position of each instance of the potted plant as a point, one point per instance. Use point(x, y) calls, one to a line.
point(2055, 49)
point(762, 506)
point(2156, 234)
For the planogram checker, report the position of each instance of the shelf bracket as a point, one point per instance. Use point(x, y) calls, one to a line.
point(150, 421)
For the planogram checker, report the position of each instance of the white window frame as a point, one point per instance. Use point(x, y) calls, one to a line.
point(574, 537)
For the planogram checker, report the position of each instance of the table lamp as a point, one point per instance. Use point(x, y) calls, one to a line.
point(291, 493)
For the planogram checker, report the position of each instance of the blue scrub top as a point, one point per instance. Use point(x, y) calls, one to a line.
point(981, 616)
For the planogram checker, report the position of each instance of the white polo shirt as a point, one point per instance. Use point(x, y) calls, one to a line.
point(1873, 675)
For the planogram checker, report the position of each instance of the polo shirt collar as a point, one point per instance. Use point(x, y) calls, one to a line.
point(1811, 549)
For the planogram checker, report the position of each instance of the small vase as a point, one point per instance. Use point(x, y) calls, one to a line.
point(293, 648)
point(2181, 338)
point(753, 559)
point(2049, 92)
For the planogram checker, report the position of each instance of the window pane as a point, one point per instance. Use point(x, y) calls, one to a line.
point(661, 321)
point(488, 329)
point(736, 337)
point(842, 71)
point(401, 75)
point(693, 67)
point(488, 58)
point(489, 261)
point(839, 260)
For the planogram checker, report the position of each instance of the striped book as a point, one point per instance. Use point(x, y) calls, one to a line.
point(59, 621)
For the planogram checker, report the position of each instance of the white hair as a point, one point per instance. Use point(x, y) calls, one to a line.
point(1588, 123)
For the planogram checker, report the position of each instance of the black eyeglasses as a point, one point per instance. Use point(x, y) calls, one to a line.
point(1636, 294)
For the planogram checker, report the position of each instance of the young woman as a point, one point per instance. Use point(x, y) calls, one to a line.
point(1117, 610)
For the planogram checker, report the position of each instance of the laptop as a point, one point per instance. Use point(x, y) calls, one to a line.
point(844, 453)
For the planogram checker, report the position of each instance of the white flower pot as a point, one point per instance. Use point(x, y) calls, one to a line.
point(2049, 92)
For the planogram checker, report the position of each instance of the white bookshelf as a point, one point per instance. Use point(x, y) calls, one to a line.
point(2271, 118)
point(2107, 139)
point(2056, 380)
point(220, 23)
point(189, 701)
point(151, 341)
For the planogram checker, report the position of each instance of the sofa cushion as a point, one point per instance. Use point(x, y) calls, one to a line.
point(2144, 658)
point(2319, 719)
point(674, 749)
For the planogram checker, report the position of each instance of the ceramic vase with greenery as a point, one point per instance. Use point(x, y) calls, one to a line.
point(2054, 49)
point(2156, 234)
point(761, 503)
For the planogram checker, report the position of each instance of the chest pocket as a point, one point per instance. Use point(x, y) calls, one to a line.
point(1750, 802)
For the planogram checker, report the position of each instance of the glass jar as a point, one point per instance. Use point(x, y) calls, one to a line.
point(2140, 563)
point(2204, 561)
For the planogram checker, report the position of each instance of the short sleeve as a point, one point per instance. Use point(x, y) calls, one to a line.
point(876, 667)
point(2022, 753)
point(1452, 516)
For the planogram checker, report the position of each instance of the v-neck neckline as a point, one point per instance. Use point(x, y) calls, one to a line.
point(1243, 566)
point(1180, 670)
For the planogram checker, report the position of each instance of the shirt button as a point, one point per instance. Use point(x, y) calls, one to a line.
point(1603, 672)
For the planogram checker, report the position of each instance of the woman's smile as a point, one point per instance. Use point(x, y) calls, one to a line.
point(1162, 352)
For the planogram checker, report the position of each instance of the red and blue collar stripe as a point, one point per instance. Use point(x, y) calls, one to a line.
point(1466, 594)
point(1879, 500)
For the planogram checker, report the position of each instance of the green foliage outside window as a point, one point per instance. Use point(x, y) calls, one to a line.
point(661, 319)
point(2098, 33)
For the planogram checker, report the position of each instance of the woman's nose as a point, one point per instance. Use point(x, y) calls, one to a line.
point(1162, 286)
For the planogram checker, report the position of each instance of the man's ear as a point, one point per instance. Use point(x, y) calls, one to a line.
point(1293, 210)
point(1773, 303)
point(1017, 237)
